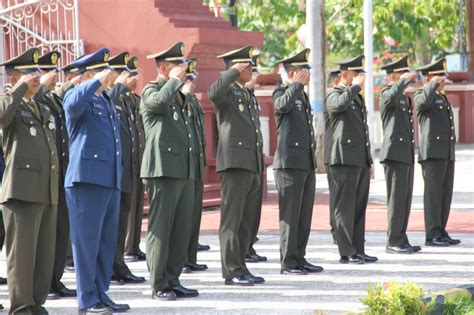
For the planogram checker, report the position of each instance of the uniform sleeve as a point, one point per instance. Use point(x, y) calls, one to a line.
point(388, 94)
point(43, 90)
point(76, 99)
point(10, 102)
point(156, 100)
point(339, 102)
point(425, 96)
point(115, 92)
point(61, 91)
point(219, 88)
point(283, 99)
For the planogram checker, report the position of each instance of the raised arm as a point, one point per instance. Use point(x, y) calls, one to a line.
point(76, 99)
point(219, 88)
point(283, 100)
point(339, 102)
point(10, 102)
point(424, 97)
point(156, 100)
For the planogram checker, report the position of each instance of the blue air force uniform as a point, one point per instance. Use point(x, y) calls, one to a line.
point(92, 183)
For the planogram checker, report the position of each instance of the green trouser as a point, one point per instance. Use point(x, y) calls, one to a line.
point(196, 221)
point(399, 180)
point(30, 235)
point(169, 219)
point(62, 240)
point(134, 230)
point(256, 226)
point(438, 176)
point(295, 202)
point(120, 268)
point(351, 194)
point(332, 221)
point(240, 202)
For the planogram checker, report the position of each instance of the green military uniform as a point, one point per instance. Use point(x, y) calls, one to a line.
point(239, 165)
point(54, 103)
point(397, 156)
point(350, 162)
point(133, 237)
point(168, 174)
point(29, 192)
point(294, 166)
point(121, 272)
point(436, 155)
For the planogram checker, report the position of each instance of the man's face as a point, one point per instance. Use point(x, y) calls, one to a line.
point(394, 76)
point(35, 83)
point(165, 68)
point(351, 74)
point(246, 75)
point(112, 77)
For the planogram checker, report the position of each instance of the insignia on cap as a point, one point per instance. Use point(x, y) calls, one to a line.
point(135, 63)
point(251, 53)
point(36, 55)
point(54, 58)
point(307, 55)
point(182, 49)
point(106, 56)
point(127, 56)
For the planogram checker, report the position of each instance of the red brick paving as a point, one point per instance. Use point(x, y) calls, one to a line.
point(376, 218)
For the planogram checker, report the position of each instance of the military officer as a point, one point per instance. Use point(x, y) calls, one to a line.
point(333, 81)
point(93, 182)
point(49, 99)
point(397, 153)
point(117, 88)
point(436, 152)
point(168, 174)
point(29, 193)
point(133, 237)
point(196, 115)
point(350, 161)
point(252, 255)
point(239, 164)
point(294, 165)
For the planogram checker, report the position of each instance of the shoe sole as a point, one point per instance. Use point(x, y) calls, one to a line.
point(164, 299)
point(240, 284)
point(187, 296)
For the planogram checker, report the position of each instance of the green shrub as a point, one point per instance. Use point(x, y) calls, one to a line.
point(461, 304)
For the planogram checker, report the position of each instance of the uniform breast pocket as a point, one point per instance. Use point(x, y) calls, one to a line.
point(28, 119)
point(296, 144)
point(239, 143)
point(94, 154)
point(99, 113)
point(27, 164)
point(169, 147)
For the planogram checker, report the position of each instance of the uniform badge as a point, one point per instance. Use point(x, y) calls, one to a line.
point(175, 116)
point(33, 131)
point(241, 107)
point(52, 126)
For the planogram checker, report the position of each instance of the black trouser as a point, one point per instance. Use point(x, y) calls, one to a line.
point(438, 176)
point(351, 194)
point(241, 192)
point(295, 202)
point(120, 267)
point(399, 180)
point(134, 230)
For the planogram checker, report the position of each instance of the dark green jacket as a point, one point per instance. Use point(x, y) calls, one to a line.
point(397, 123)
point(168, 149)
point(240, 140)
point(296, 144)
point(348, 121)
point(196, 115)
point(32, 167)
point(435, 116)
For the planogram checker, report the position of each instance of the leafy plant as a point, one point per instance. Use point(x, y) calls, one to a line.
point(461, 304)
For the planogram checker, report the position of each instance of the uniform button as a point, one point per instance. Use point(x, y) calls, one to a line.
point(401, 139)
point(412, 141)
point(52, 152)
point(100, 114)
point(413, 130)
point(118, 152)
point(312, 145)
point(116, 140)
point(452, 138)
point(411, 120)
point(140, 145)
point(451, 117)
point(404, 109)
point(95, 156)
point(186, 122)
point(133, 150)
point(253, 118)
point(64, 154)
point(115, 128)
point(257, 144)
point(366, 144)
point(349, 141)
point(441, 107)
point(240, 143)
point(437, 138)
point(297, 144)
point(169, 149)
point(27, 165)
point(452, 128)
point(366, 132)
point(111, 117)
point(53, 167)
point(189, 136)
point(62, 128)
point(190, 149)
point(200, 155)
point(309, 122)
point(64, 140)
point(48, 139)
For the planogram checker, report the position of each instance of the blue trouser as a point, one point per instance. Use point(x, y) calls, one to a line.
point(93, 216)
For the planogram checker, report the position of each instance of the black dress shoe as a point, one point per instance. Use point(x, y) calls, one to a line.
point(141, 255)
point(65, 292)
point(355, 259)
point(1, 307)
point(117, 308)
point(3, 281)
point(52, 295)
point(196, 267)
point(130, 258)
point(415, 248)
point(98, 308)
point(240, 280)
point(451, 241)
point(164, 295)
point(255, 279)
point(116, 280)
point(437, 242)
point(403, 249)
point(311, 268)
point(70, 267)
point(369, 259)
point(132, 279)
point(40, 310)
point(296, 271)
point(186, 269)
point(203, 247)
point(182, 292)
point(254, 258)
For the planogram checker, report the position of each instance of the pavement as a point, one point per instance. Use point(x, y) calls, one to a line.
point(339, 287)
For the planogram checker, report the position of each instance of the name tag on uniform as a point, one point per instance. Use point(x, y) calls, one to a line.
point(46, 108)
point(118, 108)
point(438, 101)
point(26, 113)
point(99, 106)
point(403, 102)
point(238, 93)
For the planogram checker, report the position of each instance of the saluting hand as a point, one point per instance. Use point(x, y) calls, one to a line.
point(48, 78)
point(241, 67)
point(301, 76)
point(438, 79)
point(103, 75)
point(122, 78)
point(75, 81)
point(359, 80)
point(410, 76)
point(178, 72)
point(31, 79)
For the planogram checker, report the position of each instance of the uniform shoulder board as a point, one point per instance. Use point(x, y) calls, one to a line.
point(385, 88)
point(46, 107)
